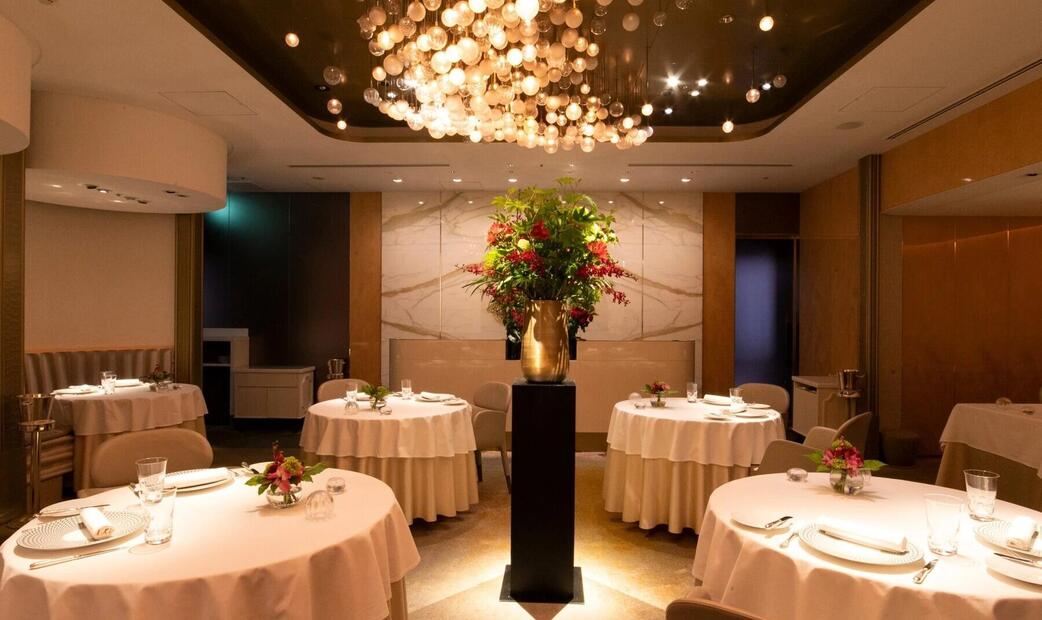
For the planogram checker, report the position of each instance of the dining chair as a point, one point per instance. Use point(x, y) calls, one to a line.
point(782, 455)
point(336, 388)
point(854, 430)
point(113, 464)
point(775, 396)
point(491, 404)
point(701, 609)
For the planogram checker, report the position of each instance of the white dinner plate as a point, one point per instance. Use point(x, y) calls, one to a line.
point(995, 533)
point(846, 550)
point(1014, 570)
point(457, 401)
point(756, 519)
point(441, 399)
point(757, 405)
point(228, 476)
point(751, 415)
point(76, 391)
point(128, 382)
point(69, 533)
point(716, 416)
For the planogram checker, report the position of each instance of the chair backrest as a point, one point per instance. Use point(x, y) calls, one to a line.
point(113, 461)
point(492, 395)
point(336, 388)
point(782, 455)
point(698, 609)
point(50, 370)
point(769, 394)
point(855, 430)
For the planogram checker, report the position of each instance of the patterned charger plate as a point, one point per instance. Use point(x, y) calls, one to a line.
point(69, 533)
point(837, 547)
point(996, 533)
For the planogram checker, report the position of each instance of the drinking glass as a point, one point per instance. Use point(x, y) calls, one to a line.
point(160, 509)
point(406, 388)
point(692, 392)
point(108, 382)
point(352, 390)
point(943, 519)
point(737, 396)
point(981, 488)
point(151, 475)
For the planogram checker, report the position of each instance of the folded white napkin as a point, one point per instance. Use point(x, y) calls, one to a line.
point(864, 535)
point(185, 479)
point(1022, 533)
point(435, 396)
point(714, 399)
point(97, 524)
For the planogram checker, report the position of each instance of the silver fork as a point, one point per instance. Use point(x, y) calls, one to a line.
point(924, 571)
point(71, 558)
point(788, 539)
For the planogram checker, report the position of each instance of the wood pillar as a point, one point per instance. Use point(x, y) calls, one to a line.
point(188, 296)
point(718, 250)
point(365, 288)
point(12, 341)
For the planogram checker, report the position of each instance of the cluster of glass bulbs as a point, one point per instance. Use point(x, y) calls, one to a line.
point(522, 71)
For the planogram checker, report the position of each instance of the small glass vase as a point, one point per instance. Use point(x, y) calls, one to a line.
point(279, 499)
point(658, 403)
point(376, 404)
point(846, 482)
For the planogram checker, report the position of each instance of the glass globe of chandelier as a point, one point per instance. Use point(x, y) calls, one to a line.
point(530, 72)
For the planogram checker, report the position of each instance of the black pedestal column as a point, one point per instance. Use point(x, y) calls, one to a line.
point(542, 504)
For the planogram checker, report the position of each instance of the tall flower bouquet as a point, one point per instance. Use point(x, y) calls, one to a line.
point(548, 244)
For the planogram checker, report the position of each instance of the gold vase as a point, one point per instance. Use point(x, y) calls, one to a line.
point(544, 345)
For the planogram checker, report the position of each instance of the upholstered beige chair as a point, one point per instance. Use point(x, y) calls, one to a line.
point(113, 464)
point(336, 388)
point(701, 609)
point(775, 396)
point(781, 455)
point(854, 430)
point(491, 404)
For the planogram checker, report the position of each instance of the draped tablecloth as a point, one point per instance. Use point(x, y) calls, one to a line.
point(424, 451)
point(97, 417)
point(663, 464)
point(1005, 439)
point(231, 556)
point(747, 569)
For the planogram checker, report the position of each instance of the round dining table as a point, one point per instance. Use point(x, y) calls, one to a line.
point(97, 416)
point(231, 556)
point(749, 569)
point(423, 450)
point(663, 463)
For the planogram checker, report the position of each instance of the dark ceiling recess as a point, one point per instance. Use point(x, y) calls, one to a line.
point(812, 42)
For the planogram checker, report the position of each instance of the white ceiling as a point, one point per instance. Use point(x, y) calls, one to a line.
point(141, 52)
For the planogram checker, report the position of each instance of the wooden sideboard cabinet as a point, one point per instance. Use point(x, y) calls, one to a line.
point(273, 392)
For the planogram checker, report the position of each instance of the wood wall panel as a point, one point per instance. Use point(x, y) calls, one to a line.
point(829, 276)
point(188, 298)
point(365, 285)
point(970, 319)
point(997, 137)
point(718, 290)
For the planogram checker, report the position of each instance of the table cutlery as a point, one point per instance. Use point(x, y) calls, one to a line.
point(788, 539)
point(70, 558)
point(64, 512)
point(924, 571)
point(247, 467)
point(1013, 558)
point(777, 523)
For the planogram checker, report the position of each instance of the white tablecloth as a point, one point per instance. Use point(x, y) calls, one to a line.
point(129, 409)
point(1002, 430)
point(681, 432)
point(663, 464)
point(746, 569)
point(423, 451)
point(231, 557)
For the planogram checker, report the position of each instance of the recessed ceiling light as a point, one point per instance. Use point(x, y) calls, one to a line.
point(116, 200)
point(341, 124)
point(728, 126)
point(624, 180)
point(292, 39)
point(685, 180)
point(103, 190)
point(695, 93)
point(611, 202)
point(457, 180)
point(668, 110)
point(766, 23)
point(662, 202)
point(672, 81)
point(702, 82)
point(967, 180)
point(55, 186)
point(470, 202)
point(511, 180)
point(396, 180)
point(419, 202)
point(766, 86)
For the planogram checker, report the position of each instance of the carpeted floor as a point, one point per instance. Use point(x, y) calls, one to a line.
point(628, 573)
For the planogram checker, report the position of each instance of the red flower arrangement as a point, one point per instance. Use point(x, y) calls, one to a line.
point(283, 473)
point(843, 456)
point(548, 244)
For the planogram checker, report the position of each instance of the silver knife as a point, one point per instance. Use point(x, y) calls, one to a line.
point(1014, 558)
point(70, 558)
point(66, 512)
point(924, 571)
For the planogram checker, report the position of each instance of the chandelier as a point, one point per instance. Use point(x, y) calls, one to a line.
point(530, 72)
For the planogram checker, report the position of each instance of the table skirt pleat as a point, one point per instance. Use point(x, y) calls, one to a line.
point(426, 488)
point(653, 492)
point(87, 444)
